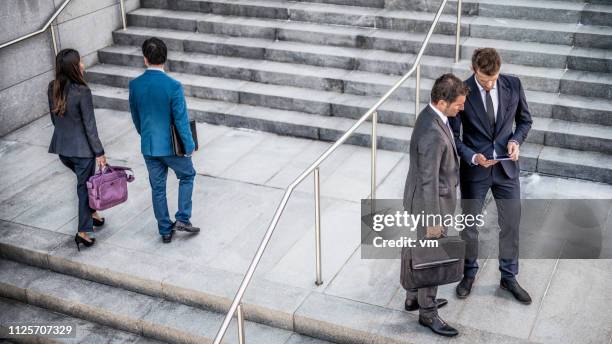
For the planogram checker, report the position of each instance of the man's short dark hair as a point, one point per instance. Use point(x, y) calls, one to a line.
point(154, 49)
point(448, 87)
point(486, 61)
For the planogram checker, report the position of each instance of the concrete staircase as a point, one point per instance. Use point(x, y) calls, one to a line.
point(308, 69)
point(128, 293)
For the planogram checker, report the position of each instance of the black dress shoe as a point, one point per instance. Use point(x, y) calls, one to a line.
point(412, 305)
point(516, 290)
point(185, 227)
point(438, 326)
point(167, 238)
point(464, 288)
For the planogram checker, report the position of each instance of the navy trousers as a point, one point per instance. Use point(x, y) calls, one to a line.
point(158, 173)
point(507, 194)
point(83, 168)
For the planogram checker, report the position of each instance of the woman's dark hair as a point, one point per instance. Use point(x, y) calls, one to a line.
point(486, 60)
point(67, 70)
point(448, 87)
point(154, 49)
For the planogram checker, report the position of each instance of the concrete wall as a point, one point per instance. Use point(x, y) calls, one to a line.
point(27, 67)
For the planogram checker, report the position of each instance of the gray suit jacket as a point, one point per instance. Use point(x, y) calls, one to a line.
point(433, 175)
point(75, 134)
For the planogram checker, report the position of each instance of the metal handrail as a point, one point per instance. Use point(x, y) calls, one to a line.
point(314, 167)
point(48, 25)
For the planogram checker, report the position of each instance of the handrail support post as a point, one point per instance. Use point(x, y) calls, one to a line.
point(458, 35)
point(240, 316)
point(373, 157)
point(123, 18)
point(53, 40)
point(317, 190)
point(417, 91)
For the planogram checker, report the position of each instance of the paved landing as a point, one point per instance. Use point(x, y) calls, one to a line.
point(241, 177)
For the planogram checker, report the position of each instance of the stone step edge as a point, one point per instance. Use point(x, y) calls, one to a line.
point(43, 254)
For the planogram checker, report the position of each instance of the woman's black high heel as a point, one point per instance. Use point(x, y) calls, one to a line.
point(80, 240)
point(98, 223)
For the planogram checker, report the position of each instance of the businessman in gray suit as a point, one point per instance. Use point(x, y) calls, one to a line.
point(431, 185)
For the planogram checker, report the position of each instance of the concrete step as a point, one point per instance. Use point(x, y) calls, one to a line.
point(597, 14)
point(544, 104)
point(544, 55)
point(16, 312)
point(544, 10)
point(468, 7)
point(282, 122)
point(561, 11)
point(124, 310)
point(589, 36)
point(542, 31)
point(102, 288)
point(548, 11)
point(597, 166)
point(525, 53)
point(572, 135)
point(362, 3)
point(596, 85)
point(552, 132)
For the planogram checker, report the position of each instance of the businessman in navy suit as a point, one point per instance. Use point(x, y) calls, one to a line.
point(495, 104)
point(156, 102)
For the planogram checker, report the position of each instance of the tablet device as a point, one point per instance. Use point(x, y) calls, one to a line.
point(500, 157)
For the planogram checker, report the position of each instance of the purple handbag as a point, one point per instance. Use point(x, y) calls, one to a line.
point(108, 187)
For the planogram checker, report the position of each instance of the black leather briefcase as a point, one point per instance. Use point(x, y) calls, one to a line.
point(177, 143)
point(433, 266)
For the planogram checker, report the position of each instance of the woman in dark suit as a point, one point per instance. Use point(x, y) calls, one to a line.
point(75, 137)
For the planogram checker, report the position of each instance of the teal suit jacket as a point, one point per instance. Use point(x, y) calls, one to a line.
point(156, 101)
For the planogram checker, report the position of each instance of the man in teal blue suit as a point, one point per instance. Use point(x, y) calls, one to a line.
point(156, 102)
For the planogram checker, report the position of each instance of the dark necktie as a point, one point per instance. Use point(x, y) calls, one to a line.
point(490, 110)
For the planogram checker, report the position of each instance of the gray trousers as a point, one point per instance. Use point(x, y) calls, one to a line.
point(426, 298)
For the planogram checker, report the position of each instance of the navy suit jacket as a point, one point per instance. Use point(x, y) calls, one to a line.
point(156, 101)
point(477, 135)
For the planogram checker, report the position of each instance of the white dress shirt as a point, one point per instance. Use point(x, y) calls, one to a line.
point(494, 96)
point(155, 68)
point(439, 113)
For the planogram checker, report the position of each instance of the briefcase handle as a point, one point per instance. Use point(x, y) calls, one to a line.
point(109, 169)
